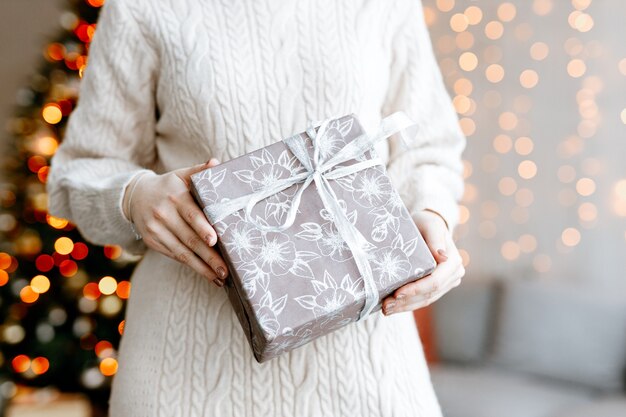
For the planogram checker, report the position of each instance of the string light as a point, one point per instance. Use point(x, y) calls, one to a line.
point(108, 366)
point(51, 113)
point(494, 73)
point(494, 30)
point(570, 236)
point(528, 78)
point(506, 12)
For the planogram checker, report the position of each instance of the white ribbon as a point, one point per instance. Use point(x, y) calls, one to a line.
point(321, 172)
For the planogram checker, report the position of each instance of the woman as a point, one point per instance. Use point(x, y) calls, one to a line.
point(171, 84)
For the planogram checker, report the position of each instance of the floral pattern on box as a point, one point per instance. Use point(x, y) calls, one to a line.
point(291, 287)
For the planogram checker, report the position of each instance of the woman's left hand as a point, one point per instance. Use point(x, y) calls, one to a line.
point(447, 274)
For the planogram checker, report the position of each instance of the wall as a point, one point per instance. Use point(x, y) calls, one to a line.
point(26, 26)
point(540, 88)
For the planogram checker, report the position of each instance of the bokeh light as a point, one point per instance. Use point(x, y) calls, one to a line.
point(51, 113)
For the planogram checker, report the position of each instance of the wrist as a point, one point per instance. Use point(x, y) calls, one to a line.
point(129, 191)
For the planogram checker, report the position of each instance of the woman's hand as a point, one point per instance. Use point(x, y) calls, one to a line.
point(169, 220)
point(446, 275)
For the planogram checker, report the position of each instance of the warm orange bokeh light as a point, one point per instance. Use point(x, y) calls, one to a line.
point(527, 243)
point(123, 289)
point(40, 284)
point(96, 3)
point(508, 120)
point(570, 237)
point(68, 268)
point(587, 212)
point(64, 245)
point(459, 22)
point(494, 30)
point(539, 51)
point(4, 277)
point(91, 291)
point(108, 366)
point(5, 260)
point(28, 295)
point(40, 365)
point(467, 126)
point(494, 73)
point(527, 169)
point(528, 78)
point(474, 15)
point(45, 145)
point(502, 144)
point(585, 186)
point(507, 186)
point(510, 250)
point(56, 222)
point(107, 285)
point(576, 68)
point(103, 349)
point(462, 104)
point(21, 363)
point(51, 113)
point(507, 12)
point(524, 145)
point(463, 86)
point(468, 61)
point(112, 251)
point(80, 251)
point(445, 5)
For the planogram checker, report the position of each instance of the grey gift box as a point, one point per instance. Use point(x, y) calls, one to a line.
point(289, 287)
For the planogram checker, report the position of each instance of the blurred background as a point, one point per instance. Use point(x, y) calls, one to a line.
point(538, 328)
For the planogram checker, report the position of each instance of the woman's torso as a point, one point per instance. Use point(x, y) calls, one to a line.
point(236, 75)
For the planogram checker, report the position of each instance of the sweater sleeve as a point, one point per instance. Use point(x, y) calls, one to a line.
point(109, 137)
point(429, 173)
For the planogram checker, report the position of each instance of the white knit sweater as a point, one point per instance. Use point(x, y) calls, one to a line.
point(171, 83)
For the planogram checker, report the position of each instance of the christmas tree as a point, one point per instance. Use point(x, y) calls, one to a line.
point(62, 299)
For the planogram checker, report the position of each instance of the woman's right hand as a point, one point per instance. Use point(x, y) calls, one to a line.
point(169, 220)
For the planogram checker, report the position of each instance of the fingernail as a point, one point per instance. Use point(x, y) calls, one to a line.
point(221, 272)
point(442, 253)
point(218, 282)
point(389, 307)
point(210, 239)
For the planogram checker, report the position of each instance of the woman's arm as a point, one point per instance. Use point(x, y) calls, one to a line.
point(428, 175)
point(110, 142)
point(416, 86)
point(110, 134)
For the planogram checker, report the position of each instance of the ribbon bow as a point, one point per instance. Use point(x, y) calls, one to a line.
point(320, 172)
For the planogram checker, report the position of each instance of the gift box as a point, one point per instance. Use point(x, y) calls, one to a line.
point(313, 232)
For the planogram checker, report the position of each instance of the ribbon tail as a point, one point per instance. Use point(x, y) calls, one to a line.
point(355, 241)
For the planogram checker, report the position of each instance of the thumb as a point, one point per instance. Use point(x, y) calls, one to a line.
point(185, 173)
point(188, 171)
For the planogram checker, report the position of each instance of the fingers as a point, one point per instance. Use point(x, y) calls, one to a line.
point(193, 215)
point(425, 291)
point(196, 244)
point(163, 240)
point(410, 300)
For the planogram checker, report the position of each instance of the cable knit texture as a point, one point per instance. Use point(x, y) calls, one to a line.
point(171, 83)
